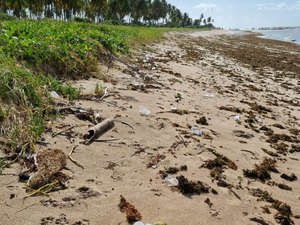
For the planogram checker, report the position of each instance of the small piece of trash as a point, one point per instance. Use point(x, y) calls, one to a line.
point(178, 95)
point(209, 95)
point(196, 131)
point(237, 118)
point(141, 223)
point(258, 119)
point(144, 111)
point(171, 181)
point(54, 94)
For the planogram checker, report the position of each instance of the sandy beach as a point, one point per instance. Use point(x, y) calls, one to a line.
point(215, 139)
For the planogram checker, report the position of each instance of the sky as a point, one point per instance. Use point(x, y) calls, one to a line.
point(243, 13)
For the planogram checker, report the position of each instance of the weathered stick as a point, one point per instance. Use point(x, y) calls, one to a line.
point(64, 130)
point(98, 130)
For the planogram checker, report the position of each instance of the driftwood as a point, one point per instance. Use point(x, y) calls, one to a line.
point(98, 130)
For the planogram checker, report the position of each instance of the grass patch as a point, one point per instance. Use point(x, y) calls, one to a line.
point(60, 48)
point(25, 102)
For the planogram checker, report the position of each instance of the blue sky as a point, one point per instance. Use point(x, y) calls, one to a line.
point(243, 13)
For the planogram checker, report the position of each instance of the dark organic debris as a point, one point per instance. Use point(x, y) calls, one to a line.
point(202, 120)
point(259, 108)
point(223, 183)
point(281, 147)
point(132, 214)
point(259, 220)
point(242, 134)
point(287, 177)
point(261, 195)
point(274, 138)
point(87, 192)
point(208, 202)
point(279, 126)
point(274, 154)
point(231, 109)
point(295, 148)
point(219, 162)
point(283, 216)
point(191, 187)
point(171, 170)
point(294, 131)
point(284, 187)
point(280, 185)
point(263, 170)
point(183, 168)
point(155, 160)
point(217, 173)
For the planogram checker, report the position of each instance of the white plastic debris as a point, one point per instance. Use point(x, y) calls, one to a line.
point(258, 119)
point(144, 111)
point(196, 131)
point(138, 223)
point(171, 181)
point(141, 223)
point(209, 95)
point(237, 118)
point(54, 94)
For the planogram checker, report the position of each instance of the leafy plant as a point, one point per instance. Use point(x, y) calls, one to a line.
point(60, 48)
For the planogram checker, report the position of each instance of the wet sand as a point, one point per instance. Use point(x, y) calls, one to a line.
point(240, 93)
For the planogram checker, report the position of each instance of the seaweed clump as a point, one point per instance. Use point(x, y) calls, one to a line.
point(191, 187)
point(132, 214)
point(262, 171)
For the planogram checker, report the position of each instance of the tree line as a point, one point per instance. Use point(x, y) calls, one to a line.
point(149, 12)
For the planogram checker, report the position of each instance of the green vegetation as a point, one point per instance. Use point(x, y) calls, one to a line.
point(59, 48)
point(37, 55)
point(26, 104)
point(142, 12)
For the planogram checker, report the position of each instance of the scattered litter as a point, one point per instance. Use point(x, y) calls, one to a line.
point(54, 94)
point(196, 131)
point(144, 111)
point(171, 181)
point(138, 223)
point(258, 119)
point(237, 118)
point(98, 130)
point(178, 96)
point(209, 95)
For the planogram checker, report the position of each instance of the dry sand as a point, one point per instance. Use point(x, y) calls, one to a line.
point(219, 77)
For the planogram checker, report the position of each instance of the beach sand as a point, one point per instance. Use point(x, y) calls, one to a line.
point(241, 92)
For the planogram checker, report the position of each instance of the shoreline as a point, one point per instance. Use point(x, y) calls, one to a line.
point(241, 92)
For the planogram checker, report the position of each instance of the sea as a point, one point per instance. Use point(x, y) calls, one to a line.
point(289, 35)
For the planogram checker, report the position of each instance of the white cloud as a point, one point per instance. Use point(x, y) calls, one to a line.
point(296, 6)
point(207, 7)
point(279, 6)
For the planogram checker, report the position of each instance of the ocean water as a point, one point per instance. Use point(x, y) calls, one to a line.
point(282, 35)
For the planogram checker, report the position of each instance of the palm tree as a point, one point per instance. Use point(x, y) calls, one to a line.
point(139, 8)
point(17, 6)
point(4, 6)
